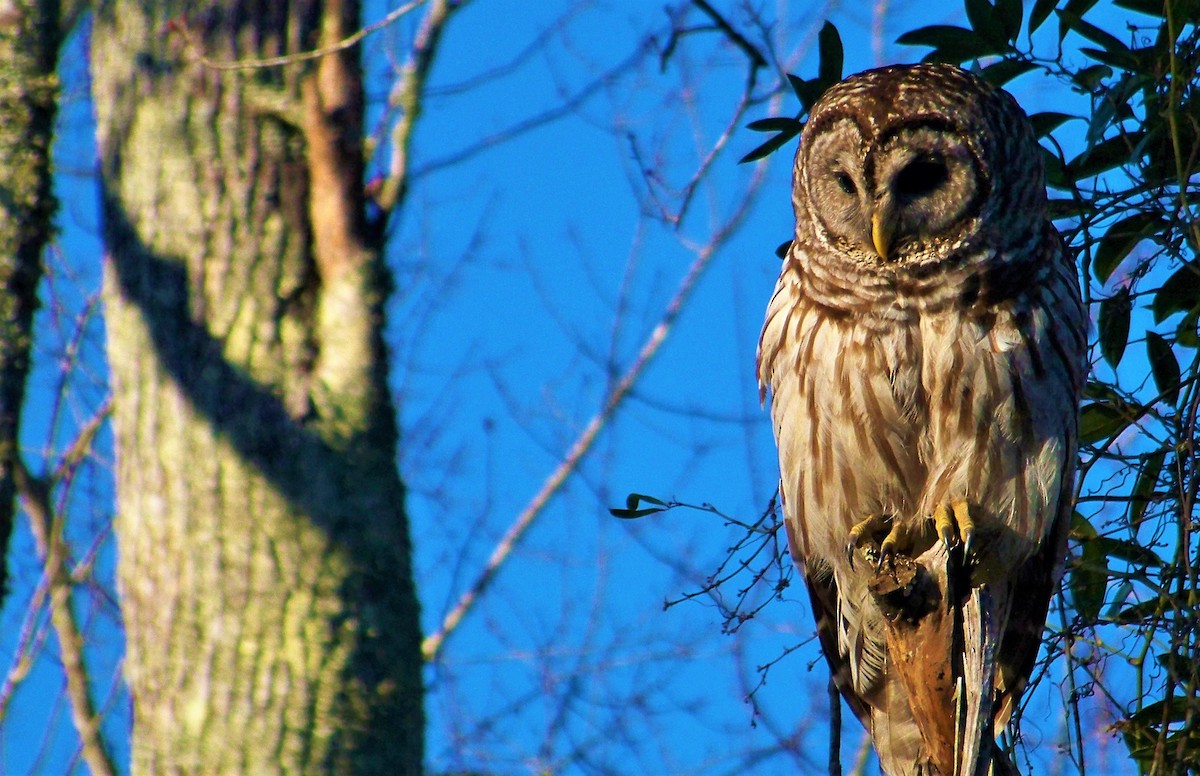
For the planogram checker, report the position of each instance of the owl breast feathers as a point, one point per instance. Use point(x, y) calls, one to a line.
point(925, 354)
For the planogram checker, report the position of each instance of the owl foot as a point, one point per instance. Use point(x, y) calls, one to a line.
point(864, 536)
point(953, 522)
point(882, 537)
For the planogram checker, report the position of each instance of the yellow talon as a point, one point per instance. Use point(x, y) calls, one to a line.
point(953, 523)
point(861, 533)
point(898, 542)
point(884, 537)
point(897, 539)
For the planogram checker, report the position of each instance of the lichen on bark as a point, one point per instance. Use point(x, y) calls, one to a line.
point(265, 572)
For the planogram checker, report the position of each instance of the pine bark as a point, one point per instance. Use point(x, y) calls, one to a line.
point(264, 556)
point(29, 40)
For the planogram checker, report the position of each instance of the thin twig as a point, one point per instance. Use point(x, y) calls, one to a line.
point(568, 106)
point(408, 95)
point(47, 532)
point(755, 56)
point(432, 646)
point(29, 644)
point(287, 59)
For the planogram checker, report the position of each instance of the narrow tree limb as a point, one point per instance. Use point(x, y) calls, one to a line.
point(407, 95)
point(47, 533)
point(432, 646)
point(342, 44)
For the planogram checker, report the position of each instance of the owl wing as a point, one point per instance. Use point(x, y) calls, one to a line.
point(1033, 585)
point(887, 715)
point(1035, 581)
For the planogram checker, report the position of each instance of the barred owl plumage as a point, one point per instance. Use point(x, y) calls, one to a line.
point(924, 351)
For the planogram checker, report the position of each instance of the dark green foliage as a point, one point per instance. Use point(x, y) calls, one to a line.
point(829, 72)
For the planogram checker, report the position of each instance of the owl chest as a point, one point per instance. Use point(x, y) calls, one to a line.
point(896, 410)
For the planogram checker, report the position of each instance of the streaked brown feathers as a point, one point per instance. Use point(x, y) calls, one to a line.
point(924, 347)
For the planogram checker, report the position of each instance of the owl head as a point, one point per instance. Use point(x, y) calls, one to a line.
point(919, 165)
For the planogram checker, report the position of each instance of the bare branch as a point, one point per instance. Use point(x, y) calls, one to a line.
point(47, 532)
point(349, 41)
point(431, 647)
point(407, 95)
point(756, 58)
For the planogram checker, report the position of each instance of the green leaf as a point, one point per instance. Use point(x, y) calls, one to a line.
point(1182, 9)
point(1187, 334)
point(1131, 552)
point(1076, 8)
point(1148, 7)
point(770, 146)
point(1113, 107)
point(1178, 664)
point(1118, 599)
point(1089, 572)
point(829, 55)
point(1179, 292)
point(633, 501)
point(1113, 326)
point(807, 91)
point(1056, 171)
point(1000, 73)
point(1123, 60)
point(986, 22)
point(1100, 391)
point(774, 124)
point(1060, 208)
point(1082, 528)
point(1010, 12)
point(1121, 238)
point(1164, 367)
point(1173, 709)
point(632, 514)
point(1104, 156)
point(1090, 78)
point(1048, 121)
point(1173, 603)
point(1040, 13)
point(1100, 420)
point(951, 44)
point(1143, 488)
point(1106, 41)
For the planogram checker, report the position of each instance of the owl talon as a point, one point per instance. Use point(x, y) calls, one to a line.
point(897, 542)
point(862, 535)
point(954, 524)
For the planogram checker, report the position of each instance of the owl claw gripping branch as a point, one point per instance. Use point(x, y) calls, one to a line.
point(881, 538)
point(924, 352)
point(952, 522)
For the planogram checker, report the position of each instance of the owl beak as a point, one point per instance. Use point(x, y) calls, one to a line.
point(883, 229)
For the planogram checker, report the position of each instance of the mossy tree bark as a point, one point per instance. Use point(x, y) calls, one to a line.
point(29, 41)
point(264, 556)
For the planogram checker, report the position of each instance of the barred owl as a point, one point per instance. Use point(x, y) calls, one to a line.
point(924, 351)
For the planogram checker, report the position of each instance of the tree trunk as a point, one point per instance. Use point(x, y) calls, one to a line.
point(264, 557)
point(29, 38)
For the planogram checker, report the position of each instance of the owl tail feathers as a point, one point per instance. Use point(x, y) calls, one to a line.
point(942, 648)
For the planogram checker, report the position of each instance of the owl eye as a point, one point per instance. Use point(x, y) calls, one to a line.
point(921, 177)
point(845, 182)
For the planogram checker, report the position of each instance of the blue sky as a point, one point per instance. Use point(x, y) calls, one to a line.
point(528, 277)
